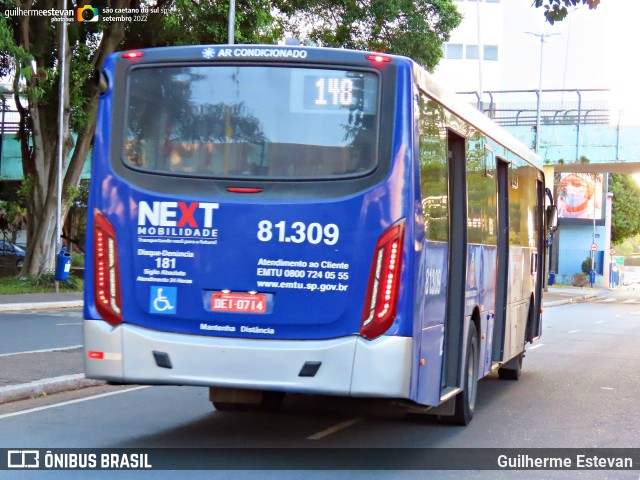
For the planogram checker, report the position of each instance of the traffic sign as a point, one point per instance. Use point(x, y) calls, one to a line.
point(594, 247)
point(612, 252)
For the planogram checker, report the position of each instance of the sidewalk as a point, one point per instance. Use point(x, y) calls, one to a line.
point(562, 295)
point(34, 301)
point(33, 374)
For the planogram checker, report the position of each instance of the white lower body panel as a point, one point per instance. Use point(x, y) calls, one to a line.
point(350, 366)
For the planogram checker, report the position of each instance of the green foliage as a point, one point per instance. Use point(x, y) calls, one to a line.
point(586, 266)
point(47, 280)
point(208, 23)
point(80, 86)
point(413, 28)
point(43, 284)
point(557, 10)
point(630, 246)
point(626, 207)
point(10, 52)
point(77, 259)
point(13, 211)
point(26, 188)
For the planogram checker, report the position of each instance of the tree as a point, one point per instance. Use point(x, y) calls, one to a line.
point(29, 47)
point(626, 207)
point(557, 10)
point(415, 28)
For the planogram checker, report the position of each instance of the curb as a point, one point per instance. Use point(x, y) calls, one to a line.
point(11, 307)
point(24, 391)
point(580, 299)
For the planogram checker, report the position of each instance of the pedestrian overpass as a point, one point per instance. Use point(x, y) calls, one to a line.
point(579, 131)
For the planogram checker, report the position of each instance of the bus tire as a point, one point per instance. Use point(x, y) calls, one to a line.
point(512, 369)
point(465, 401)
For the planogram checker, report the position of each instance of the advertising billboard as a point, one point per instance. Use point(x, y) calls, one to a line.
point(580, 195)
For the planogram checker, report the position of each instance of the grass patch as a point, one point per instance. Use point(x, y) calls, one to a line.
point(42, 284)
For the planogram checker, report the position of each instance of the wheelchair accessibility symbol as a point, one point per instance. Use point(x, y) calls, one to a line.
point(163, 300)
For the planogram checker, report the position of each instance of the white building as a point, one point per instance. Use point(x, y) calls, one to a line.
point(491, 49)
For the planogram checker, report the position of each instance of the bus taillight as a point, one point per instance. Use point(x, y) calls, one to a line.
point(132, 55)
point(378, 58)
point(106, 271)
point(384, 282)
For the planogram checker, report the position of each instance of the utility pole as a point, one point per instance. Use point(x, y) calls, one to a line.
point(62, 60)
point(542, 36)
point(480, 55)
point(232, 21)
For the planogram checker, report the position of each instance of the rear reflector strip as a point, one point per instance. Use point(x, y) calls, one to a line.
point(94, 355)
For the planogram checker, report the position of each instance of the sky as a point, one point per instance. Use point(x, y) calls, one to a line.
point(622, 38)
point(596, 49)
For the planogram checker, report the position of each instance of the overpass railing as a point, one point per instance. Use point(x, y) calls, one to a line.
point(557, 106)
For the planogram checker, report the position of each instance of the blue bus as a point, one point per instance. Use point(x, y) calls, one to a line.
point(274, 219)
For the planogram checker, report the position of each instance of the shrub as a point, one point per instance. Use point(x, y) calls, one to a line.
point(586, 266)
point(46, 281)
point(77, 259)
point(580, 280)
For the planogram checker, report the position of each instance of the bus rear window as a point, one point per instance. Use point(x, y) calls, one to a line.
point(252, 122)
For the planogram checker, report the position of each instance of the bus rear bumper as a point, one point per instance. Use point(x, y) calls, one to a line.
point(350, 366)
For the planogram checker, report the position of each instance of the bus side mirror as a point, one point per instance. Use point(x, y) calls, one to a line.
point(101, 82)
point(552, 218)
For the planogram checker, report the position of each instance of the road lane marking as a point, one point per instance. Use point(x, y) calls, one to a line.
point(70, 402)
point(65, 324)
point(609, 300)
point(46, 350)
point(629, 300)
point(574, 331)
point(536, 346)
point(332, 430)
point(607, 388)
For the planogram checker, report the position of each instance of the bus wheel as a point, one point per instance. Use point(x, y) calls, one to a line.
point(465, 401)
point(511, 370)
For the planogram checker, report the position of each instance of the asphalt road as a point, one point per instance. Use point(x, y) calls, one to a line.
point(39, 330)
point(579, 388)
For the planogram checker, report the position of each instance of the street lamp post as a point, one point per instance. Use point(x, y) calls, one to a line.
point(61, 114)
point(542, 36)
point(232, 20)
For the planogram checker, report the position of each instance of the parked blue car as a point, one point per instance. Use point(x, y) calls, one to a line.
point(11, 258)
